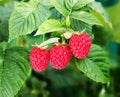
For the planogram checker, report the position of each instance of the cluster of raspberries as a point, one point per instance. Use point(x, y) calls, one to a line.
point(59, 55)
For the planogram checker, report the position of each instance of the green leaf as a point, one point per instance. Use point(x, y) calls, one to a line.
point(100, 13)
point(71, 8)
point(96, 65)
point(50, 26)
point(26, 18)
point(59, 5)
point(79, 26)
point(14, 69)
point(65, 7)
point(85, 17)
point(76, 4)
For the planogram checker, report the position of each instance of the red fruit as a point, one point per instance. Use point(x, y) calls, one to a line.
point(60, 56)
point(39, 58)
point(80, 45)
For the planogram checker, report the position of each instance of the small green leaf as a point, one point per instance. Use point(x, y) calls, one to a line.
point(14, 69)
point(26, 18)
point(50, 26)
point(96, 65)
point(85, 17)
point(59, 5)
point(100, 13)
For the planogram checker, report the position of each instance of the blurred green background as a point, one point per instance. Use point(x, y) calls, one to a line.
point(67, 83)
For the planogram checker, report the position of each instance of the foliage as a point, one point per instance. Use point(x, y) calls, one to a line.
point(26, 17)
point(51, 18)
point(14, 69)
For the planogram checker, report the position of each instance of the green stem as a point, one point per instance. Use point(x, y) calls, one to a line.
point(43, 38)
point(63, 39)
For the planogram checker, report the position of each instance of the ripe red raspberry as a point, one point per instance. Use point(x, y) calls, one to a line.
point(60, 56)
point(80, 45)
point(39, 58)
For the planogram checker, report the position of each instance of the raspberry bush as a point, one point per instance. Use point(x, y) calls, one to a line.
point(45, 35)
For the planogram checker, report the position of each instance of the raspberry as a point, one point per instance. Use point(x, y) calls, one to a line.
point(39, 58)
point(60, 56)
point(80, 45)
